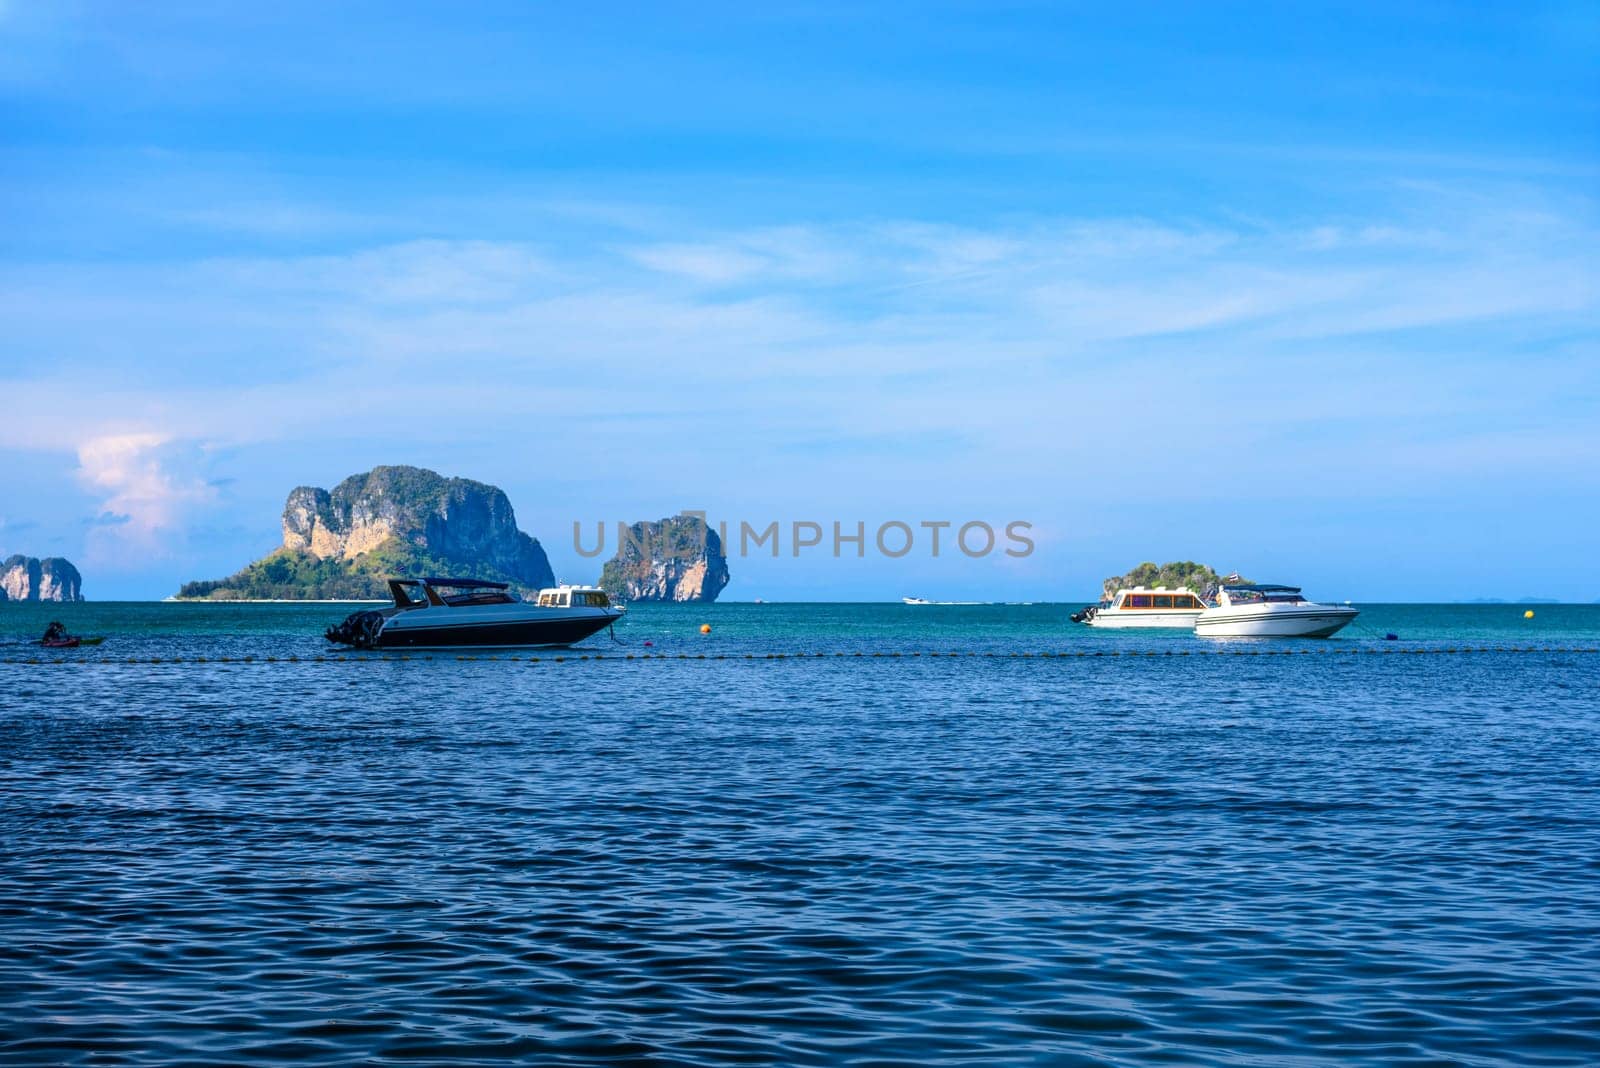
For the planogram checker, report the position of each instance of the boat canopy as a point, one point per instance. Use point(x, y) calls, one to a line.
point(1259, 587)
point(440, 591)
point(464, 583)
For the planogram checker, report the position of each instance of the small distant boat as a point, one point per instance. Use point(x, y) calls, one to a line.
point(1138, 607)
point(1256, 610)
point(924, 601)
point(435, 613)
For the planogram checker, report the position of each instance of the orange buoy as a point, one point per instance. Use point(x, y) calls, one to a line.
point(705, 628)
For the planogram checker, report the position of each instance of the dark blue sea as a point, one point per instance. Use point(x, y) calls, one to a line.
point(1043, 845)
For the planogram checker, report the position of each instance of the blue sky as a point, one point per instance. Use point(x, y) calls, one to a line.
point(1305, 291)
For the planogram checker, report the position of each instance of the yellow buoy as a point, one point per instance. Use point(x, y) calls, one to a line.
point(1528, 614)
point(705, 628)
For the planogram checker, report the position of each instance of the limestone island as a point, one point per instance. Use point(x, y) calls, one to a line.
point(677, 559)
point(388, 522)
point(28, 578)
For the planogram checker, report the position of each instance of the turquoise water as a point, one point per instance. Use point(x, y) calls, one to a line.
point(1234, 859)
point(173, 629)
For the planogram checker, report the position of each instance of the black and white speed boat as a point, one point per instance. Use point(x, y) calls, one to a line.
point(438, 613)
point(1257, 610)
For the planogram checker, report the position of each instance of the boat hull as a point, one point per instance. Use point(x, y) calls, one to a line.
point(1143, 618)
point(520, 634)
point(1253, 621)
point(520, 625)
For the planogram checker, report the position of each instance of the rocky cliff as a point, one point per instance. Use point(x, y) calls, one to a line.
point(675, 559)
point(1178, 573)
point(27, 578)
point(389, 521)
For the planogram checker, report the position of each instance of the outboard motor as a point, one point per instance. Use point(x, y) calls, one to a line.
point(1084, 615)
point(360, 629)
point(341, 633)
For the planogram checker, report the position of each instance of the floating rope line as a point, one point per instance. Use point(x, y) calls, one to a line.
point(562, 658)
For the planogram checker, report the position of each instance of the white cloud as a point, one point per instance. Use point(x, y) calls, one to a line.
point(148, 485)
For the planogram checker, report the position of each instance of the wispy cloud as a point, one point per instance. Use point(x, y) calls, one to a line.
point(737, 344)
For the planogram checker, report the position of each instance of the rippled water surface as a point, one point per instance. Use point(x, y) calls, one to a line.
point(1367, 853)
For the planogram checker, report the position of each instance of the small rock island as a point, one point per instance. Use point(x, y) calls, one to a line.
point(345, 543)
point(677, 559)
point(28, 578)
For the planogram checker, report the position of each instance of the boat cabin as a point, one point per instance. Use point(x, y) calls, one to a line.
point(1139, 599)
point(1141, 607)
point(574, 597)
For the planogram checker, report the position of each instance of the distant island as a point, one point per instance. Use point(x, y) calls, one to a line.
point(390, 521)
point(28, 578)
point(1178, 573)
point(677, 559)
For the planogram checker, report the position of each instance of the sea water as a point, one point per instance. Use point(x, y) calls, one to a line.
point(1045, 844)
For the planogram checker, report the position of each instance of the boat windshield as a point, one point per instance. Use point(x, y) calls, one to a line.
point(1263, 595)
point(407, 594)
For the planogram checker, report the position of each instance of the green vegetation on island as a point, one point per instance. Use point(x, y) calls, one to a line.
point(293, 575)
point(1195, 576)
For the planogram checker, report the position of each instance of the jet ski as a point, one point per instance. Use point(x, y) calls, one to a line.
point(56, 637)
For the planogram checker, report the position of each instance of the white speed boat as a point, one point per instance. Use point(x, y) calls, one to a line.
point(437, 613)
point(1254, 610)
point(1139, 607)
